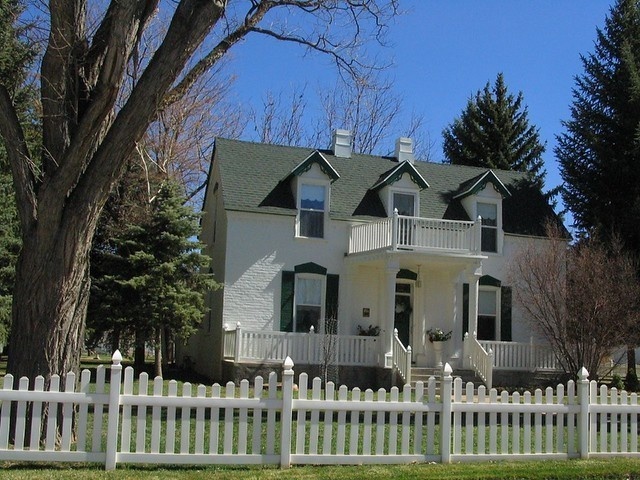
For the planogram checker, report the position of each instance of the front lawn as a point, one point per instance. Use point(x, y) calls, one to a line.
point(620, 468)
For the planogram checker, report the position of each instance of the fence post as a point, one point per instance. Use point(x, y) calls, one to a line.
point(408, 365)
point(583, 400)
point(287, 414)
point(477, 229)
point(236, 358)
point(311, 357)
point(445, 416)
point(394, 230)
point(466, 354)
point(113, 420)
point(490, 369)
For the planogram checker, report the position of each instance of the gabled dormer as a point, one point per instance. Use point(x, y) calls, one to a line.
point(310, 182)
point(399, 188)
point(482, 197)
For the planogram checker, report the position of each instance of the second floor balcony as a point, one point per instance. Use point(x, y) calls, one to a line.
point(419, 234)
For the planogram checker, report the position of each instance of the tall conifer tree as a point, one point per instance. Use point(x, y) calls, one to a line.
point(493, 131)
point(599, 154)
point(151, 281)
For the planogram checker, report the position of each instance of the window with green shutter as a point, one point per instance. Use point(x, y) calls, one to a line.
point(302, 303)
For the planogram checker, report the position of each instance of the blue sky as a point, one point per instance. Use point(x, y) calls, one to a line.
point(444, 51)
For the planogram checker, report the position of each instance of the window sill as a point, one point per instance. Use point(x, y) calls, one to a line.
point(311, 239)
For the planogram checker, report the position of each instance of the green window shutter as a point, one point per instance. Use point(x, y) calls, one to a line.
point(331, 299)
point(505, 314)
point(465, 308)
point(286, 302)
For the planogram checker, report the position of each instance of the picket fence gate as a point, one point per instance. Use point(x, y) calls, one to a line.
point(286, 424)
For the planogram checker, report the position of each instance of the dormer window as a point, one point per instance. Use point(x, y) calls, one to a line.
point(405, 203)
point(312, 210)
point(489, 214)
point(482, 197)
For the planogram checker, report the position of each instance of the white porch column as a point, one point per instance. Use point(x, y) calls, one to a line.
point(474, 282)
point(346, 312)
point(391, 271)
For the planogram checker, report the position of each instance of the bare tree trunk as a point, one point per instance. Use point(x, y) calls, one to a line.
point(631, 380)
point(157, 347)
point(139, 354)
point(50, 302)
point(115, 340)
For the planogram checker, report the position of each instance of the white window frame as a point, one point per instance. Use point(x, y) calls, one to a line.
point(403, 191)
point(498, 227)
point(325, 213)
point(497, 292)
point(323, 297)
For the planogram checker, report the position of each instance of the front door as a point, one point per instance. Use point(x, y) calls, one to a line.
point(402, 319)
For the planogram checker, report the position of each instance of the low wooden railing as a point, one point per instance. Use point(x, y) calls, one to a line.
point(401, 358)
point(304, 348)
point(398, 232)
point(478, 359)
point(521, 356)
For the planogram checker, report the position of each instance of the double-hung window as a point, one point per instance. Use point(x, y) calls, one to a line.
point(488, 314)
point(489, 214)
point(308, 303)
point(312, 210)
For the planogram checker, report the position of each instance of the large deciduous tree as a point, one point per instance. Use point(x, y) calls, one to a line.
point(493, 131)
point(599, 154)
point(91, 124)
point(16, 56)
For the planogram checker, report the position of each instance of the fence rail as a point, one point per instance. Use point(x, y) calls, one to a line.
point(273, 423)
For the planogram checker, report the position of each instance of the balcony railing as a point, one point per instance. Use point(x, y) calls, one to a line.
point(402, 232)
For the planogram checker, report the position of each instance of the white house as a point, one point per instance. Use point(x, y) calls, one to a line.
point(300, 236)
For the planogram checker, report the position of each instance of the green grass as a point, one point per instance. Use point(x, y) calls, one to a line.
point(621, 468)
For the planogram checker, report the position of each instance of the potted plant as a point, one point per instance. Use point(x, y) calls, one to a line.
point(437, 337)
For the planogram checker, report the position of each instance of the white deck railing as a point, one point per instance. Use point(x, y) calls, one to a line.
point(401, 357)
point(521, 356)
point(304, 348)
point(400, 231)
point(478, 359)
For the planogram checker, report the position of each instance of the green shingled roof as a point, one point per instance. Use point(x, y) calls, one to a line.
point(252, 180)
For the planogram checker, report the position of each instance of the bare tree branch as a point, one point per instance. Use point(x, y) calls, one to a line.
point(20, 160)
point(583, 299)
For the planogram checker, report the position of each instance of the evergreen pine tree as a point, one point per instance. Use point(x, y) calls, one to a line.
point(493, 131)
point(152, 280)
point(599, 154)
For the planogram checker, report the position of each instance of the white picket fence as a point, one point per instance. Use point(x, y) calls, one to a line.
point(275, 423)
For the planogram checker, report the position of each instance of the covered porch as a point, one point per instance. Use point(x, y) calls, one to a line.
point(484, 357)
